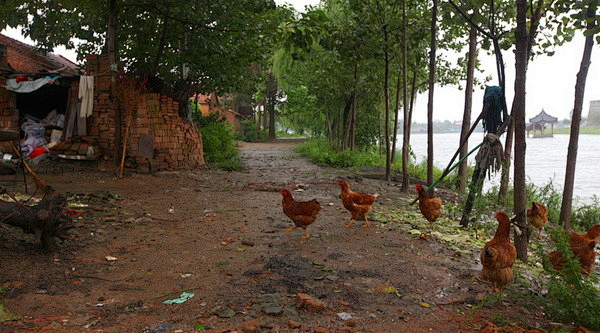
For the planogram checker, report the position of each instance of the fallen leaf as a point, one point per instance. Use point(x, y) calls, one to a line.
point(425, 305)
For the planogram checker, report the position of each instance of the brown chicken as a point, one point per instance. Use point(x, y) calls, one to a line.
point(582, 246)
point(302, 213)
point(537, 216)
point(431, 208)
point(358, 204)
point(498, 255)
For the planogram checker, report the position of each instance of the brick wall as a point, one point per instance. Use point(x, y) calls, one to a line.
point(9, 115)
point(177, 142)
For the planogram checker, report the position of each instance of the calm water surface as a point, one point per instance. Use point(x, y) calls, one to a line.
point(546, 159)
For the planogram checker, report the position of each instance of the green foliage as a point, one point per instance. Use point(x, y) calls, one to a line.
point(218, 143)
point(250, 133)
point(216, 40)
point(548, 195)
point(321, 152)
point(582, 130)
point(572, 296)
point(586, 215)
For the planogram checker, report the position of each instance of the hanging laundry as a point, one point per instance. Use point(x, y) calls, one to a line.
point(86, 94)
point(29, 86)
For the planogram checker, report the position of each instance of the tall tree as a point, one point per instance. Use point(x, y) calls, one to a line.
point(466, 121)
point(432, 63)
point(518, 114)
point(591, 30)
point(405, 106)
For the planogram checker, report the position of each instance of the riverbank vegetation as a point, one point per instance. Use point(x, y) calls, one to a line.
point(582, 130)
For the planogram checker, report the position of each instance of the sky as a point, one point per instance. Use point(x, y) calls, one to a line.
point(550, 80)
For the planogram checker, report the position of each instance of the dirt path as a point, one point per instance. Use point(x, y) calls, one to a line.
point(146, 239)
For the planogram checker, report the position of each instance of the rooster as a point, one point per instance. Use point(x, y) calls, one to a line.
point(302, 213)
point(358, 204)
point(431, 208)
point(583, 248)
point(537, 215)
point(498, 255)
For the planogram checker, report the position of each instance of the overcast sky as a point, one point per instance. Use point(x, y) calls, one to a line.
point(550, 80)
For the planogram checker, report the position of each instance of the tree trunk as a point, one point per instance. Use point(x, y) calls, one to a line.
point(406, 116)
point(111, 51)
point(258, 114)
point(271, 96)
point(520, 198)
point(432, 54)
point(111, 32)
point(466, 122)
point(265, 118)
point(45, 220)
point(565, 208)
point(386, 86)
point(396, 115)
point(161, 45)
point(353, 122)
point(505, 175)
point(347, 116)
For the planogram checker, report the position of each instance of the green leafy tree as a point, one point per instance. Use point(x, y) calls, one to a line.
point(190, 45)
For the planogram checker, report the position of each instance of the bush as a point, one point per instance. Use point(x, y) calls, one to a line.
point(250, 134)
point(585, 216)
point(572, 296)
point(218, 143)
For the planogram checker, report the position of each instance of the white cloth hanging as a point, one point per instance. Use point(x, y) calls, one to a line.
point(86, 94)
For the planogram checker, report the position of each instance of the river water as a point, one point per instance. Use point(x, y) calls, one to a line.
point(546, 159)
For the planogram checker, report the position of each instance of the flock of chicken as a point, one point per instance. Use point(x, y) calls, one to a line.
point(498, 255)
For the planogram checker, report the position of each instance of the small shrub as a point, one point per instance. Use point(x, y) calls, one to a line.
point(572, 296)
point(218, 143)
point(250, 133)
point(586, 215)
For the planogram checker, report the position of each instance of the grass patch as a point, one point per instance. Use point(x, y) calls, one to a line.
point(582, 130)
point(320, 151)
point(5, 315)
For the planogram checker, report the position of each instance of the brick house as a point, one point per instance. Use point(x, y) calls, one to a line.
point(210, 104)
point(158, 138)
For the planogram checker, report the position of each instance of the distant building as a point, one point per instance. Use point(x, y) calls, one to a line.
point(538, 123)
point(593, 118)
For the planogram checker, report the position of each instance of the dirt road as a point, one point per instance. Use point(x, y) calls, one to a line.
point(144, 240)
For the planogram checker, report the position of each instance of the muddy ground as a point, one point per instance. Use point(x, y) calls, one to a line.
point(146, 239)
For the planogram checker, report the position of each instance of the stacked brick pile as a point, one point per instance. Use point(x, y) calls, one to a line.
point(177, 142)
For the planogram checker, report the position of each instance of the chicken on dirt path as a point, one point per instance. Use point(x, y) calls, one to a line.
point(302, 213)
point(358, 204)
point(431, 208)
point(498, 256)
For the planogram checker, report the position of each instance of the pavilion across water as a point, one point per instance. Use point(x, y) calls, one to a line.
point(538, 125)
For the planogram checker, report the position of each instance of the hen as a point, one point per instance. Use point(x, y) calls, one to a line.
point(431, 208)
point(358, 204)
point(537, 216)
point(498, 255)
point(582, 246)
point(302, 213)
